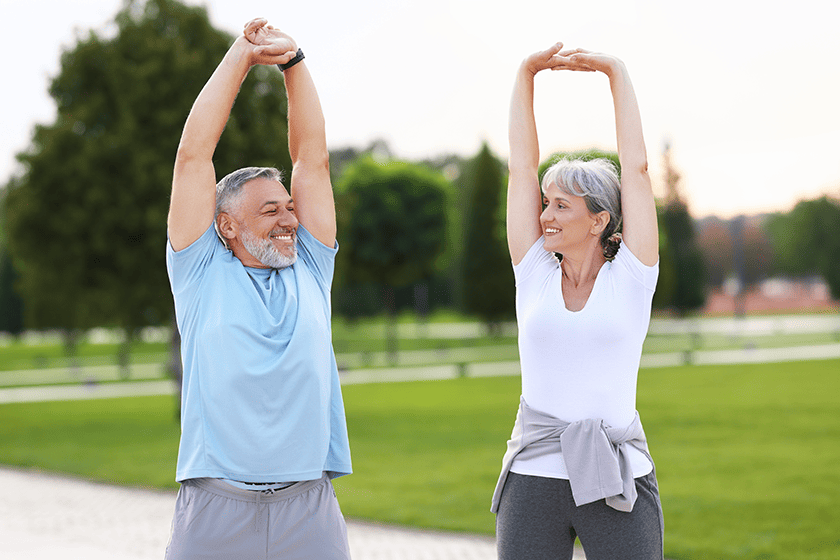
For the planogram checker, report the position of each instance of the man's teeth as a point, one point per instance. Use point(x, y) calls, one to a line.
point(552, 230)
point(282, 237)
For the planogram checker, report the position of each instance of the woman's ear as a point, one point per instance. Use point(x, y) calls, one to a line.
point(602, 220)
point(228, 226)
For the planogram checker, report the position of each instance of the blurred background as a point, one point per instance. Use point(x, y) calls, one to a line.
point(738, 101)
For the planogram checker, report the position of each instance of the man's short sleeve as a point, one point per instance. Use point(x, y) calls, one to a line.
point(319, 258)
point(185, 266)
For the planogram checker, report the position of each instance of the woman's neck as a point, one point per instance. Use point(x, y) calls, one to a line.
point(582, 269)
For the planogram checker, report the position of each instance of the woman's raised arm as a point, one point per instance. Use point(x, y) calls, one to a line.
point(524, 200)
point(638, 208)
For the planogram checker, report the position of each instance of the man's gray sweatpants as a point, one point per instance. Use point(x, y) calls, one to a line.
point(216, 520)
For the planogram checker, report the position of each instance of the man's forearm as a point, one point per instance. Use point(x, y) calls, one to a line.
point(211, 110)
point(193, 200)
point(307, 134)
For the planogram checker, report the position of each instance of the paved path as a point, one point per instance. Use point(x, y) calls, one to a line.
point(51, 517)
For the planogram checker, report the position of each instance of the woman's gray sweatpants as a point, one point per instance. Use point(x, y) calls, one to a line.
point(538, 520)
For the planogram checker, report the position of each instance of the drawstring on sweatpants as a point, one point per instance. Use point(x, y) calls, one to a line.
point(260, 493)
point(257, 513)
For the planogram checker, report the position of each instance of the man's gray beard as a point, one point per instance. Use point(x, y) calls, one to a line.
point(264, 251)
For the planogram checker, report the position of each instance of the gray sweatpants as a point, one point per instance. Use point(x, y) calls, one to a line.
point(216, 520)
point(538, 520)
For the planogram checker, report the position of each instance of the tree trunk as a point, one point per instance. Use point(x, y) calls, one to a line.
point(391, 324)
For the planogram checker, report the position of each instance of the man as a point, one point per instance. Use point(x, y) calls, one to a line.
point(250, 264)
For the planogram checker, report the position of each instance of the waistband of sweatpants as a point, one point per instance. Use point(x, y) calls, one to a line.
point(221, 488)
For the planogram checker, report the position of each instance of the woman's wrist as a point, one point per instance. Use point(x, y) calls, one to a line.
point(615, 68)
point(527, 70)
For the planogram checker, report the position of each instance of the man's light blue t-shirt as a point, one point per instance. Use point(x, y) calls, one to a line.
point(261, 397)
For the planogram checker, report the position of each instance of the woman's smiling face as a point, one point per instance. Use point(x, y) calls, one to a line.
point(566, 221)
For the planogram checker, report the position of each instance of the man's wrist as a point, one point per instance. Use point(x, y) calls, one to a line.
point(241, 52)
point(295, 59)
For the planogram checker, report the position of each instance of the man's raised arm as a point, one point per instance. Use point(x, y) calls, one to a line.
point(193, 203)
point(311, 188)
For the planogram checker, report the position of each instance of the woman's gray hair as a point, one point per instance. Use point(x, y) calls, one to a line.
point(229, 189)
point(597, 182)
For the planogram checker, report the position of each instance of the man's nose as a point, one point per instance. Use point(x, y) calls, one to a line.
point(287, 219)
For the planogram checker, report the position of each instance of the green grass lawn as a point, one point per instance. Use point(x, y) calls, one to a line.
point(747, 455)
point(21, 356)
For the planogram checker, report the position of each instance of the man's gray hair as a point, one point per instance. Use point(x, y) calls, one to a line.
point(597, 182)
point(229, 189)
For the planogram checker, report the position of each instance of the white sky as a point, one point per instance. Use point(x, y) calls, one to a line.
point(748, 95)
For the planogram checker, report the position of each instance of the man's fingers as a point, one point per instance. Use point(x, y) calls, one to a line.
point(256, 22)
point(254, 25)
point(283, 54)
point(289, 55)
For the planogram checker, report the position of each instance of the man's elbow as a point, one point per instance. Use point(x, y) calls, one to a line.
point(188, 153)
point(316, 161)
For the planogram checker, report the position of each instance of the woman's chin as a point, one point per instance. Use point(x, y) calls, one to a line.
point(551, 247)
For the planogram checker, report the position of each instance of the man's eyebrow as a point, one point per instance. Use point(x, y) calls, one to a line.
point(276, 203)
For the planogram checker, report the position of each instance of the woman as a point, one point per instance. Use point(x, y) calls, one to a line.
point(577, 463)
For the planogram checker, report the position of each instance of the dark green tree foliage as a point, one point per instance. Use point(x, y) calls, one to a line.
point(87, 219)
point(11, 305)
point(807, 240)
point(392, 222)
point(391, 225)
point(487, 281)
point(585, 155)
point(686, 259)
point(683, 251)
point(666, 284)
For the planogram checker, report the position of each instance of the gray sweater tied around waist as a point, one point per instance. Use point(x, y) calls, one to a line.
point(595, 455)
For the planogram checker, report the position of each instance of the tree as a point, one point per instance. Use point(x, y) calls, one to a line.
point(487, 278)
point(392, 226)
point(689, 289)
point(666, 284)
point(683, 251)
point(807, 240)
point(87, 219)
point(11, 306)
point(585, 155)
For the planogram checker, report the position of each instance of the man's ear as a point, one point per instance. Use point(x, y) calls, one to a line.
point(602, 220)
point(228, 226)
